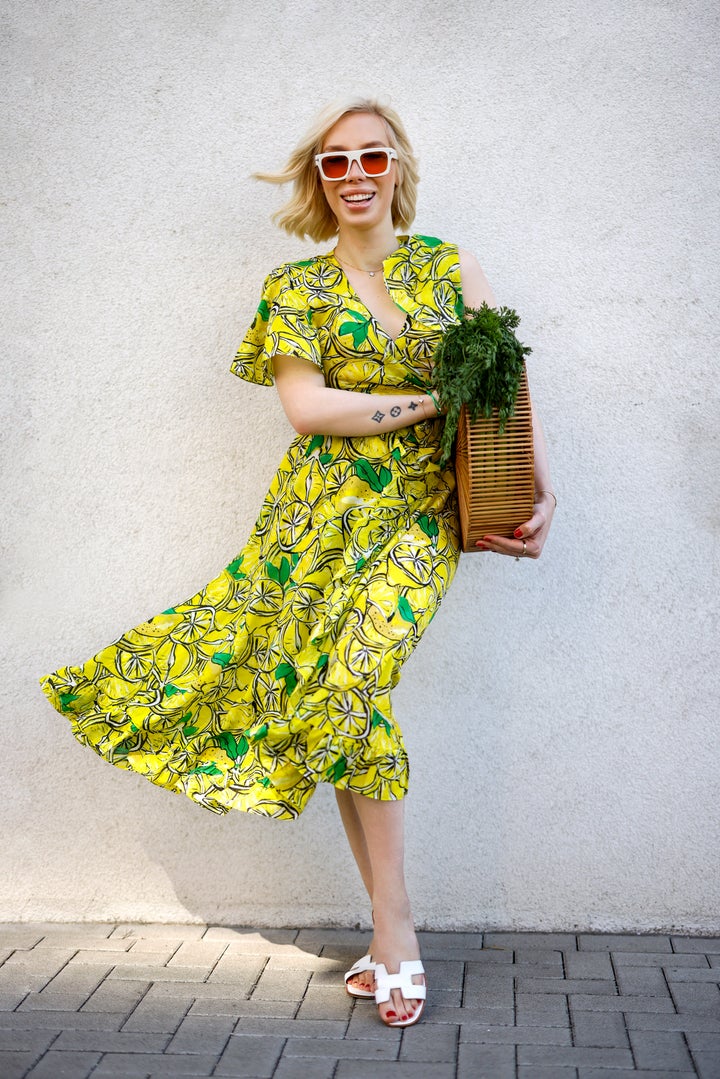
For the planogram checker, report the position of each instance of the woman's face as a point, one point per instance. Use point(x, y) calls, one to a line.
point(359, 201)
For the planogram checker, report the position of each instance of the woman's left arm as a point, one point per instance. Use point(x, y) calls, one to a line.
point(529, 537)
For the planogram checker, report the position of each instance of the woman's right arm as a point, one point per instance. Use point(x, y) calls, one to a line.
point(316, 409)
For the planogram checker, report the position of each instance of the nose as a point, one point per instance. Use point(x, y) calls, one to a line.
point(356, 173)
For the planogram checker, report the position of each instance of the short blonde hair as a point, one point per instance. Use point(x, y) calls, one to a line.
point(307, 212)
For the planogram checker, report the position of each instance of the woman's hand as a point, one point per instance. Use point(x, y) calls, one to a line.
point(529, 537)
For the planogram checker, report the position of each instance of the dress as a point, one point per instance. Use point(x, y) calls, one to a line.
point(277, 675)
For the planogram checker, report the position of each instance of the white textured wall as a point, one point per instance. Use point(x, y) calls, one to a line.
point(561, 716)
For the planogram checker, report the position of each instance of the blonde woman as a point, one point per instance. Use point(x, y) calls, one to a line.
point(277, 676)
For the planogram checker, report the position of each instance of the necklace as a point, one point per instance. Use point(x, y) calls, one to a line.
point(358, 268)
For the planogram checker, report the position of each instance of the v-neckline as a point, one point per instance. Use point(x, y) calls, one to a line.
point(362, 303)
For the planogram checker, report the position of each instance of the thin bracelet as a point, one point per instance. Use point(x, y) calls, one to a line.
point(551, 495)
point(434, 400)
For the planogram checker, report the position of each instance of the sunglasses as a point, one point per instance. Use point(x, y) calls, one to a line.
point(373, 162)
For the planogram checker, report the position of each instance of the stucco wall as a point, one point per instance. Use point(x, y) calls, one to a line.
point(561, 716)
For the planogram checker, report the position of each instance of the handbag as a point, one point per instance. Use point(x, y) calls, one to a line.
point(481, 378)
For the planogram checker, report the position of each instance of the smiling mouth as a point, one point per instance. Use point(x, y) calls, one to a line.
point(359, 197)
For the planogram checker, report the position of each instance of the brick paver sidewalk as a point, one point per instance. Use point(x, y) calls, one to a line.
point(129, 1001)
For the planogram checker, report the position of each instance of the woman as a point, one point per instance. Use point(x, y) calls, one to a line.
point(278, 674)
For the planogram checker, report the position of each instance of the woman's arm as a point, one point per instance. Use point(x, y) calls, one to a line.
point(316, 409)
point(534, 532)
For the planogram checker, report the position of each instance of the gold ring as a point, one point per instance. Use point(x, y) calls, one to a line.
point(524, 548)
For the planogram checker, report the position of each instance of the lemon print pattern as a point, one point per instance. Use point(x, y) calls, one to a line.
point(278, 674)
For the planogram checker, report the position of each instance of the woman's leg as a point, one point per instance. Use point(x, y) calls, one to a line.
point(381, 838)
point(358, 846)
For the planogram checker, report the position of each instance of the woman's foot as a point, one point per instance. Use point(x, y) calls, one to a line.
point(360, 979)
point(395, 942)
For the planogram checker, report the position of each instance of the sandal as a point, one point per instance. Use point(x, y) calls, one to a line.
point(385, 982)
point(360, 967)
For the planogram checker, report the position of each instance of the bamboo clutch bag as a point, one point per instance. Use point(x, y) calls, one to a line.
point(481, 378)
point(495, 471)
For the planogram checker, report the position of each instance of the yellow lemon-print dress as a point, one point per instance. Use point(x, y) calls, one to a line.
point(278, 674)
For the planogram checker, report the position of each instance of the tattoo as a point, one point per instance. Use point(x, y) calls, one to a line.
point(378, 417)
point(395, 410)
point(412, 406)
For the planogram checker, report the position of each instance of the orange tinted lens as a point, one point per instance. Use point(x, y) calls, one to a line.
point(374, 162)
point(335, 167)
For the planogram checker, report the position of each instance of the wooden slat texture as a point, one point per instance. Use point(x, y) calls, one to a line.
point(495, 472)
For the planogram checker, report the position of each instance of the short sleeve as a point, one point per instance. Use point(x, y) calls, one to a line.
point(282, 323)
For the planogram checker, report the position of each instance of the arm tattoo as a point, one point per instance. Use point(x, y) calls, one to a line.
point(412, 406)
point(378, 416)
point(395, 410)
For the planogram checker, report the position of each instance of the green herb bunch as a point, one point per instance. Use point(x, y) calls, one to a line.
point(478, 363)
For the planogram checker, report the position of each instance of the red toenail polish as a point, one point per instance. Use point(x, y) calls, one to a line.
point(391, 1015)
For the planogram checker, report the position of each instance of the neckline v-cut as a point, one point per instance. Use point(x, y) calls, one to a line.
point(362, 303)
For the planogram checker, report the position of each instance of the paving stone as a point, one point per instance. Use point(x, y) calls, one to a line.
point(296, 1068)
point(203, 954)
point(136, 972)
point(321, 1002)
point(58, 1021)
point(158, 1015)
point(268, 1009)
point(626, 1073)
point(600, 1029)
point(534, 1010)
point(241, 971)
point(660, 1049)
point(437, 1013)
point(483, 988)
point(547, 962)
point(64, 1066)
point(157, 930)
point(131, 957)
point(696, 944)
point(513, 1035)
point(586, 964)
point(241, 935)
point(693, 974)
point(10, 999)
point(429, 1045)
point(703, 1042)
point(365, 1024)
point(533, 1071)
point(47, 961)
point(560, 941)
point(358, 1069)
point(601, 1003)
point(251, 1057)
point(697, 998)
point(68, 990)
point(328, 938)
point(573, 1056)
point(25, 937)
point(116, 996)
point(288, 951)
point(566, 986)
point(486, 1061)
point(675, 1021)
point(15, 1065)
point(659, 959)
point(642, 981)
point(76, 941)
point(26, 1041)
point(202, 1034)
point(707, 1065)
point(290, 1028)
point(14, 985)
point(105, 1041)
point(444, 975)
point(624, 942)
point(140, 1065)
point(342, 1049)
point(283, 984)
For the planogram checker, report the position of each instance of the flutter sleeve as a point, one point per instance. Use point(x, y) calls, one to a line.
point(282, 323)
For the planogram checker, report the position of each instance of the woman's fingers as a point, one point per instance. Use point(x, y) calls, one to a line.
point(515, 547)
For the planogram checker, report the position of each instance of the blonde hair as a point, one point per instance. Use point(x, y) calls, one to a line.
point(307, 212)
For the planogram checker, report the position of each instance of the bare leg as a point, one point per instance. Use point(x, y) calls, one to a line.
point(358, 846)
point(394, 940)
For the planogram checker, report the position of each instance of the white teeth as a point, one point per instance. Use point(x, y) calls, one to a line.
point(357, 198)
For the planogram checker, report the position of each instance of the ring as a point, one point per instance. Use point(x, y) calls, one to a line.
point(519, 556)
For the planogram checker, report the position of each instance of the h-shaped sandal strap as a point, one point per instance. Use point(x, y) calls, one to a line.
point(361, 966)
point(385, 982)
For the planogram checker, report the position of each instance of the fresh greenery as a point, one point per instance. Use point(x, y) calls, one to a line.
point(478, 363)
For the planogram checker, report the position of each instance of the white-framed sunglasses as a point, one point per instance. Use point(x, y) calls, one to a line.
point(336, 164)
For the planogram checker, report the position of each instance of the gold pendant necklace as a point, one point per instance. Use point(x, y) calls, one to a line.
point(358, 268)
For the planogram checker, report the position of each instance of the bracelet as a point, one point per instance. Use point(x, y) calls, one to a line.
point(434, 400)
point(551, 495)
